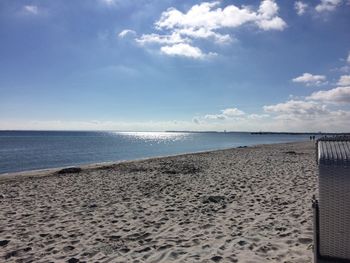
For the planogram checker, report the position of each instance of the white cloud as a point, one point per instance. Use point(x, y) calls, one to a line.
point(292, 115)
point(255, 116)
point(268, 8)
point(232, 112)
point(207, 21)
point(225, 114)
point(215, 117)
point(32, 9)
point(327, 5)
point(183, 36)
point(300, 7)
point(329, 121)
point(184, 50)
point(205, 16)
point(310, 80)
point(336, 95)
point(344, 80)
point(300, 115)
point(198, 16)
point(174, 38)
point(276, 23)
point(126, 32)
point(205, 34)
point(297, 108)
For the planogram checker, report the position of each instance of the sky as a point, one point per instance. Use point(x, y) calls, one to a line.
point(155, 65)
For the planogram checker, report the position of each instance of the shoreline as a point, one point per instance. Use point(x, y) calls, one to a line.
point(99, 165)
point(249, 205)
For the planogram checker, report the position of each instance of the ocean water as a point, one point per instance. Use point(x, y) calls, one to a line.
point(31, 150)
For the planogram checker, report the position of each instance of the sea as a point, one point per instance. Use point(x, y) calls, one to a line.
point(32, 150)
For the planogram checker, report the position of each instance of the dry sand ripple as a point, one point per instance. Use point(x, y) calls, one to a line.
point(238, 205)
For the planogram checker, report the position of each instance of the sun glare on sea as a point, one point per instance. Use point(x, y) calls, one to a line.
point(155, 136)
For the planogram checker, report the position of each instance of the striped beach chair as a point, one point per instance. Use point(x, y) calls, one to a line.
point(332, 209)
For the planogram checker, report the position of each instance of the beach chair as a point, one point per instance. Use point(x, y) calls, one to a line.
point(332, 210)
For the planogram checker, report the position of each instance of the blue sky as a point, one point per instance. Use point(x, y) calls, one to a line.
point(175, 65)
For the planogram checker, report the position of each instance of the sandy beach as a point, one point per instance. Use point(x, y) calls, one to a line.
point(238, 205)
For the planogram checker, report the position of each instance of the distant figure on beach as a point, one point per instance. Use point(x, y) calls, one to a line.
point(310, 138)
point(313, 137)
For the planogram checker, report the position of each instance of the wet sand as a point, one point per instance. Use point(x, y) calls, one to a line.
point(238, 205)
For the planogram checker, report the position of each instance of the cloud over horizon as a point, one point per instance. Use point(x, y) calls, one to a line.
point(225, 114)
point(297, 108)
point(337, 95)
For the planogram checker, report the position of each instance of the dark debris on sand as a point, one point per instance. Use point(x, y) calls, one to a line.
point(69, 170)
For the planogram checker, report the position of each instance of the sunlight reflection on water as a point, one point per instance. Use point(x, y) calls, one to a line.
point(28, 150)
point(156, 136)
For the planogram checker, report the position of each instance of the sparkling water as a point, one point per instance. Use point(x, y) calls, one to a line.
point(30, 150)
